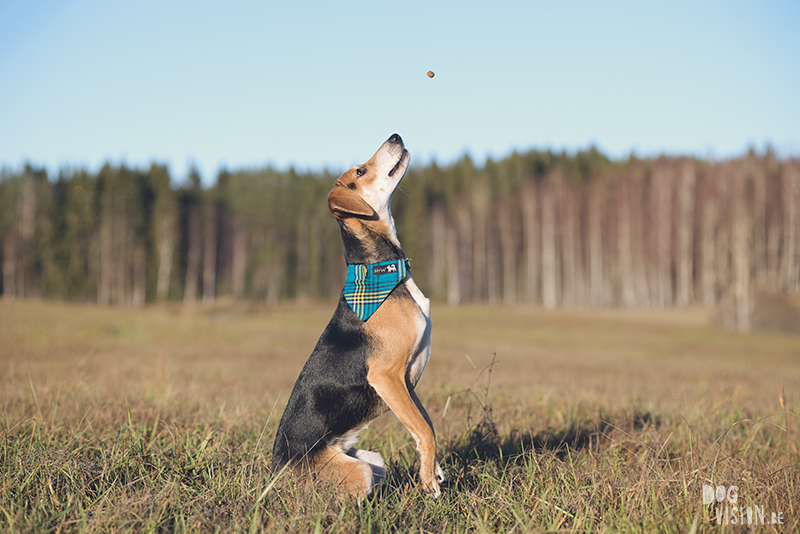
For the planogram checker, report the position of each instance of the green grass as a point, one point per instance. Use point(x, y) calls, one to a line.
point(162, 420)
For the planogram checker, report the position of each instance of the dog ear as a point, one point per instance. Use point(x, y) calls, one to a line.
point(344, 203)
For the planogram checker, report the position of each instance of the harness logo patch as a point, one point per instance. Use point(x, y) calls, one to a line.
point(384, 269)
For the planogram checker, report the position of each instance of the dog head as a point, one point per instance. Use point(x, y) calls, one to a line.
point(360, 199)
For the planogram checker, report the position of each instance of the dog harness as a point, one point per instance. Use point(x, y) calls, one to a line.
point(367, 286)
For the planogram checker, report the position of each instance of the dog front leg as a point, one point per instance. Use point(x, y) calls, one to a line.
point(438, 469)
point(391, 386)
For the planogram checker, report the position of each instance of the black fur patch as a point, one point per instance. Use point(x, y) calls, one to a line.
point(331, 396)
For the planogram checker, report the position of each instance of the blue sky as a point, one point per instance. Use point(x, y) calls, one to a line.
point(321, 84)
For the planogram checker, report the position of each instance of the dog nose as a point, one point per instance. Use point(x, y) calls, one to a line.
point(395, 139)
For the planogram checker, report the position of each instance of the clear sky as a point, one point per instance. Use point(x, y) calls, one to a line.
point(321, 84)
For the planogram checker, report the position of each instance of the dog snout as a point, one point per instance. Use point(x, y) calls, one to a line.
point(395, 139)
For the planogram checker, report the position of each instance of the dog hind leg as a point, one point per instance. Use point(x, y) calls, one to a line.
point(347, 472)
point(376, 463)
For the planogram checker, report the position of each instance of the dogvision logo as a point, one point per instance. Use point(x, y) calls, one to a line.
point(730, 514)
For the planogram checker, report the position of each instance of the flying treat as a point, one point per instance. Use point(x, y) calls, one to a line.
point(430, 74)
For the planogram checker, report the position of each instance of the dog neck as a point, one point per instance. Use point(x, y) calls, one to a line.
point(364, 244)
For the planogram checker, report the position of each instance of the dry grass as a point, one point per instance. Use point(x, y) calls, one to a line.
point(163, 419)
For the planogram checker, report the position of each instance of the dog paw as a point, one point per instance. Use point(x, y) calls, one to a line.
point(432, 488)
point(430, 479)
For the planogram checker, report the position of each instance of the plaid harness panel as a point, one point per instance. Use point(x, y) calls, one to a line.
point(367, 286)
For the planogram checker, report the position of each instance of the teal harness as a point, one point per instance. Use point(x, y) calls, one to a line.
point(367, 286)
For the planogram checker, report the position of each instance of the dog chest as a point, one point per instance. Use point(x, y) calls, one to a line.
point(422, 351)
point(400, 327)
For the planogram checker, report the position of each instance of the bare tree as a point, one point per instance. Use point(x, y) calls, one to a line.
point(480, 213)
point(685, 235)
point(638, 233)
point(740, 247)
point(596, 201)
point(439, 245)
point(625, 245)
point(530, 235)
point(708, 246)
point(166, 244)
point(193, 250)
point(105, 247)
point(506, 228)
point(774, 213)
point(239, 257)
point(210, 223)
point(10, 263)
point(465, 254)
point(790, 181)
point(723, 253)
point(453, 265)
point(754, 170)
point(550, 278)
point(661, 199)
point(139, 274)
point(569, 244)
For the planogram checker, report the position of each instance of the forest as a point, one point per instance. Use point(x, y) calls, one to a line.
point(540, 227)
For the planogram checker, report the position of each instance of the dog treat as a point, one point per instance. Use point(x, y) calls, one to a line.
point(431, 74)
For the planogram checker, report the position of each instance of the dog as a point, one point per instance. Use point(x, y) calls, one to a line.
point(371, 355)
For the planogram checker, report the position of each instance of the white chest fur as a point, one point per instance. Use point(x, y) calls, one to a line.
point(421, 354)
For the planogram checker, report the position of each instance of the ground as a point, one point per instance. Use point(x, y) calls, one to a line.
point(162, 419)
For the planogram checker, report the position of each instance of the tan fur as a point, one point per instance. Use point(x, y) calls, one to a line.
point(396, 327)
point(345, 472)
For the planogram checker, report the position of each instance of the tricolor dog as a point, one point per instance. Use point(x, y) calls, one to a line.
point(371, 355)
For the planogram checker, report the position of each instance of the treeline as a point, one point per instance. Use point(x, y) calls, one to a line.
point(537, 227)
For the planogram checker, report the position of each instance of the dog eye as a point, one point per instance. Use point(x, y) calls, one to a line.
point(361, 171)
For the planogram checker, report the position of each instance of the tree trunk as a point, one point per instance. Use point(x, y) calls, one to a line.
point(10, 264)
point(480, 207)
point(119, 284)
point(439, 249)
point(723, 254)
point(755, 171)
point(275, 277)
point(791, 221)
point(773, 213)
point(685, 245)
point(638, 239)
point(624, 245)
point(581, 250)
point(106, 253)
point(166, 244)
point(662, 202)
point(194, 240)
point(740, 248)
point(530, 232)
point(239, 259)
point(210, 255)
point(508, 250)
point(569, 216)
point(596, 199)
point(453, 267)
point(708, 270)
point(139, 275)
point(465, 254)
point(549, 267)
point(27, 225)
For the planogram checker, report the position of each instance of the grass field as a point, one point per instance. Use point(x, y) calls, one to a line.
point(162, 420)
